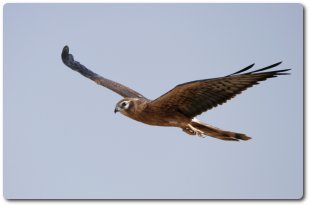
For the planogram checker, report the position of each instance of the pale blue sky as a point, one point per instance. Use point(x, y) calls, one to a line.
point(62, 139)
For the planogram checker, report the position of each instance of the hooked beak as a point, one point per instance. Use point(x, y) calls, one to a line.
point(116, 110)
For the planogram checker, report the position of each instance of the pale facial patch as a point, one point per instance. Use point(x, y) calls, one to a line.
point(124, 105)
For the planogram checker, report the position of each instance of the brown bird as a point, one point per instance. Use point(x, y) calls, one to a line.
point(179, 106)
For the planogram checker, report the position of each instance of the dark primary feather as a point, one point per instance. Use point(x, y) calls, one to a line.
point(265, 68)
point(122, 90)
point(242, 70)
point(259, 70)
point(193, 98)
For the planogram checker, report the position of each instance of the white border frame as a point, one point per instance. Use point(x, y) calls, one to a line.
point(305, 199)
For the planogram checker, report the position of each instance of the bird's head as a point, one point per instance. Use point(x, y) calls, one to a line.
point(126, 106)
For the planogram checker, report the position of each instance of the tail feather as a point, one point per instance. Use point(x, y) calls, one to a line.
point(218, 133)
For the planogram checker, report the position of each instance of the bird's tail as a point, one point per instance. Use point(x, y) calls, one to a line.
point(202, 129)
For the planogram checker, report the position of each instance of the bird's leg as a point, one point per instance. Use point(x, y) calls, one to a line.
point(188, 131)
point(193, 131)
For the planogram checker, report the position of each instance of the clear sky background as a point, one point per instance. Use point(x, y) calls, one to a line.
point(62, 139)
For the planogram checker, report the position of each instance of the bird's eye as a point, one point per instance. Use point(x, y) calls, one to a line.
point(124, 104)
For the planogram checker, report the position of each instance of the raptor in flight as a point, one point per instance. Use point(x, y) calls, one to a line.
point(179, 106)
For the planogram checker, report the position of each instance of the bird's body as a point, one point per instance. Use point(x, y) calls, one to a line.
point(142, 111)
point(179, 106)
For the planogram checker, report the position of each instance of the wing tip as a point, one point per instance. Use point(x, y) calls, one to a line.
point(259, 70)
point(266, 68)
point(65, 53)
point(65, 49)
point(242, 70)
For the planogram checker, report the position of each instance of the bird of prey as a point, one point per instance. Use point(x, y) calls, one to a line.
point(179, 106)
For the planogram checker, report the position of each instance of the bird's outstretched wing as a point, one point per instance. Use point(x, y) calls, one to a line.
point(114, 86)
point(193, 98)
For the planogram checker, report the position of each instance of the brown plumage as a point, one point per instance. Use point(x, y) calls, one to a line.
point(179, 106)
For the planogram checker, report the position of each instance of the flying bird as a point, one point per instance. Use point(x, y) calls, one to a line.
point(179, 106)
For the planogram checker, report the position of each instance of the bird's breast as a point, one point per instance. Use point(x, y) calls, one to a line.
point(152, 116)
